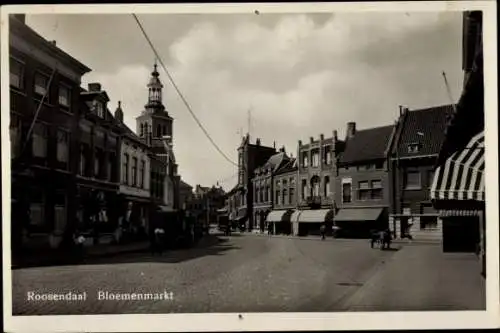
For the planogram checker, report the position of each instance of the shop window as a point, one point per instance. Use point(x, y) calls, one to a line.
point(16, 74)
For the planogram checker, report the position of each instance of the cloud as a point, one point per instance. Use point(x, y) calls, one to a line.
point(301, 75)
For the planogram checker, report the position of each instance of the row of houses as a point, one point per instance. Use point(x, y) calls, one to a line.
point(76, 166)
point(375, 178)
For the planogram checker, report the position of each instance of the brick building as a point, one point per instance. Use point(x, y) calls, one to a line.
point(418, 138)
point(250, 156)
point(315, 201)
point(265, 193)
point(44, 101)
point(99, 141)
point(362, 180)
point(284, 179)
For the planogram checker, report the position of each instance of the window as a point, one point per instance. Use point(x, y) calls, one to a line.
point(364, 192)
point(99, 109)
point(97, 163)
point(377, 191)
point(60, 212)
point(41, 84)
point(109, 167)
point(37, 208)
point(292, 181)
point(413, 148)
point(64, 96)
point(262, 194)
point(327, 191)
point(142, 174)
point(125, 169)
point(346, 192)
point(39, 140)
point(134, 171)
point(83, 161)
point(158, 131)
point(304, 189)
point(285, 197)
point(412, 180)
point(15, 135)
point(277, 197)
point(278, 184)
point(315, 158)
point(142, 130)
point(16, 74)
point(291, 195)
point(305, 160)
point(267, 193)
point(315, 186)
point(62, 146)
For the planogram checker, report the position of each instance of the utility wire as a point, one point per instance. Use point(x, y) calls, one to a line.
point(180, 93)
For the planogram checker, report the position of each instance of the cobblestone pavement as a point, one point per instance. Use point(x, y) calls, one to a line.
point(238, 274)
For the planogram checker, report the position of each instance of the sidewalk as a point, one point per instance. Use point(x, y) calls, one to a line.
point(423, 278)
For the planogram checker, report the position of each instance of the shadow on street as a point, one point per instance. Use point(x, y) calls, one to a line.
point(208, 246)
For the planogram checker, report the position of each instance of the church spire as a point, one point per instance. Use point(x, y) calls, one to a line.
point(155, 87)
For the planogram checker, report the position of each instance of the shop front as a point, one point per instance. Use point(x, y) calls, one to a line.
point(360, 222)
point(458, 192)
point(280, 221)
point(310, 221)
point(133, 217)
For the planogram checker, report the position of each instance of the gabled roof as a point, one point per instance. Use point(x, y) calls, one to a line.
point(424, 127)
point(290, 166)
point(276, 161)
point(366, 145)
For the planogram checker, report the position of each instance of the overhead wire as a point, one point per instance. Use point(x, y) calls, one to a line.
point(200, 125)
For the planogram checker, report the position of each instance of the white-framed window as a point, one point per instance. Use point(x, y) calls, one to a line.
point(284, 197)
point(304, 189)
point(142, 171)
point(291, 195)
point(16, 74)
point(346, 190)
point(305, 160)
point(277, 197)
point(134, 171)
point(64, 96)
point(41, 84)
point(39, 140)
point(327, 190)
point(125, 168)
point(412, 180)
point(328, 156)
point(315, 186)
point(315, 158)
point(62, 145)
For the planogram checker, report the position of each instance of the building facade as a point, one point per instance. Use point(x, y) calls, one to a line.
point(135, 183)
point(250, 156)
point(44, 94)
point(315, 200)
point(265, 194)
point(418, 138)
point(285, 182)
point(362, 180)
point(461, 200)
point(99, 145)
point(185, 194)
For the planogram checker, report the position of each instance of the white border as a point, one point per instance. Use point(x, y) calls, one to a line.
point(272, 321)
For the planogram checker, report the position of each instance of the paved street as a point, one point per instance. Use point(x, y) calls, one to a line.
point(254, 273)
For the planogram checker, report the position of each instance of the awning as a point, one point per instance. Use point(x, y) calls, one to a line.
point(242, 213)
point(358, 214)
point(295, 216)
point(279, 216)
point(459, 212)
point(316, 216)
point(461, 177)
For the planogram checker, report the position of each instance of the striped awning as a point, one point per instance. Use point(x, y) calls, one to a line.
point(461, 177)
point(316, 216)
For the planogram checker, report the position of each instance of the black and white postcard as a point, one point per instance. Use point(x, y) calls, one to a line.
point(250, 167)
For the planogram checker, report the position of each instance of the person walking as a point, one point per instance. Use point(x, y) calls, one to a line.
point(323, 231)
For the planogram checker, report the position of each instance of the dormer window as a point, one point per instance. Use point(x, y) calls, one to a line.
point(413, 148)
point(99, 109)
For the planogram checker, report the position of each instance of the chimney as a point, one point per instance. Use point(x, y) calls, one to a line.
point(94, 87)
point(300, 143)
point(274, 144)
point(321, 137)
point(311, 139)
point(119, 112)
point(335, 135)
point(53, 42)
point(351, 130)
point(257, 142)
point(20, 17)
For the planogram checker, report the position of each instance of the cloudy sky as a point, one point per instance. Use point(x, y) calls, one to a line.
point(301, 75)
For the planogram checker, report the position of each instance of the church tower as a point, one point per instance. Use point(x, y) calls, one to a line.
point(154, 120)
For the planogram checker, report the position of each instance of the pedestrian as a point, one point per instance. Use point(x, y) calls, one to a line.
point(386, 240)
point(157, 240)
point(79, 242)
point(323, 231)
point(269, 228)
point(375, 237)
